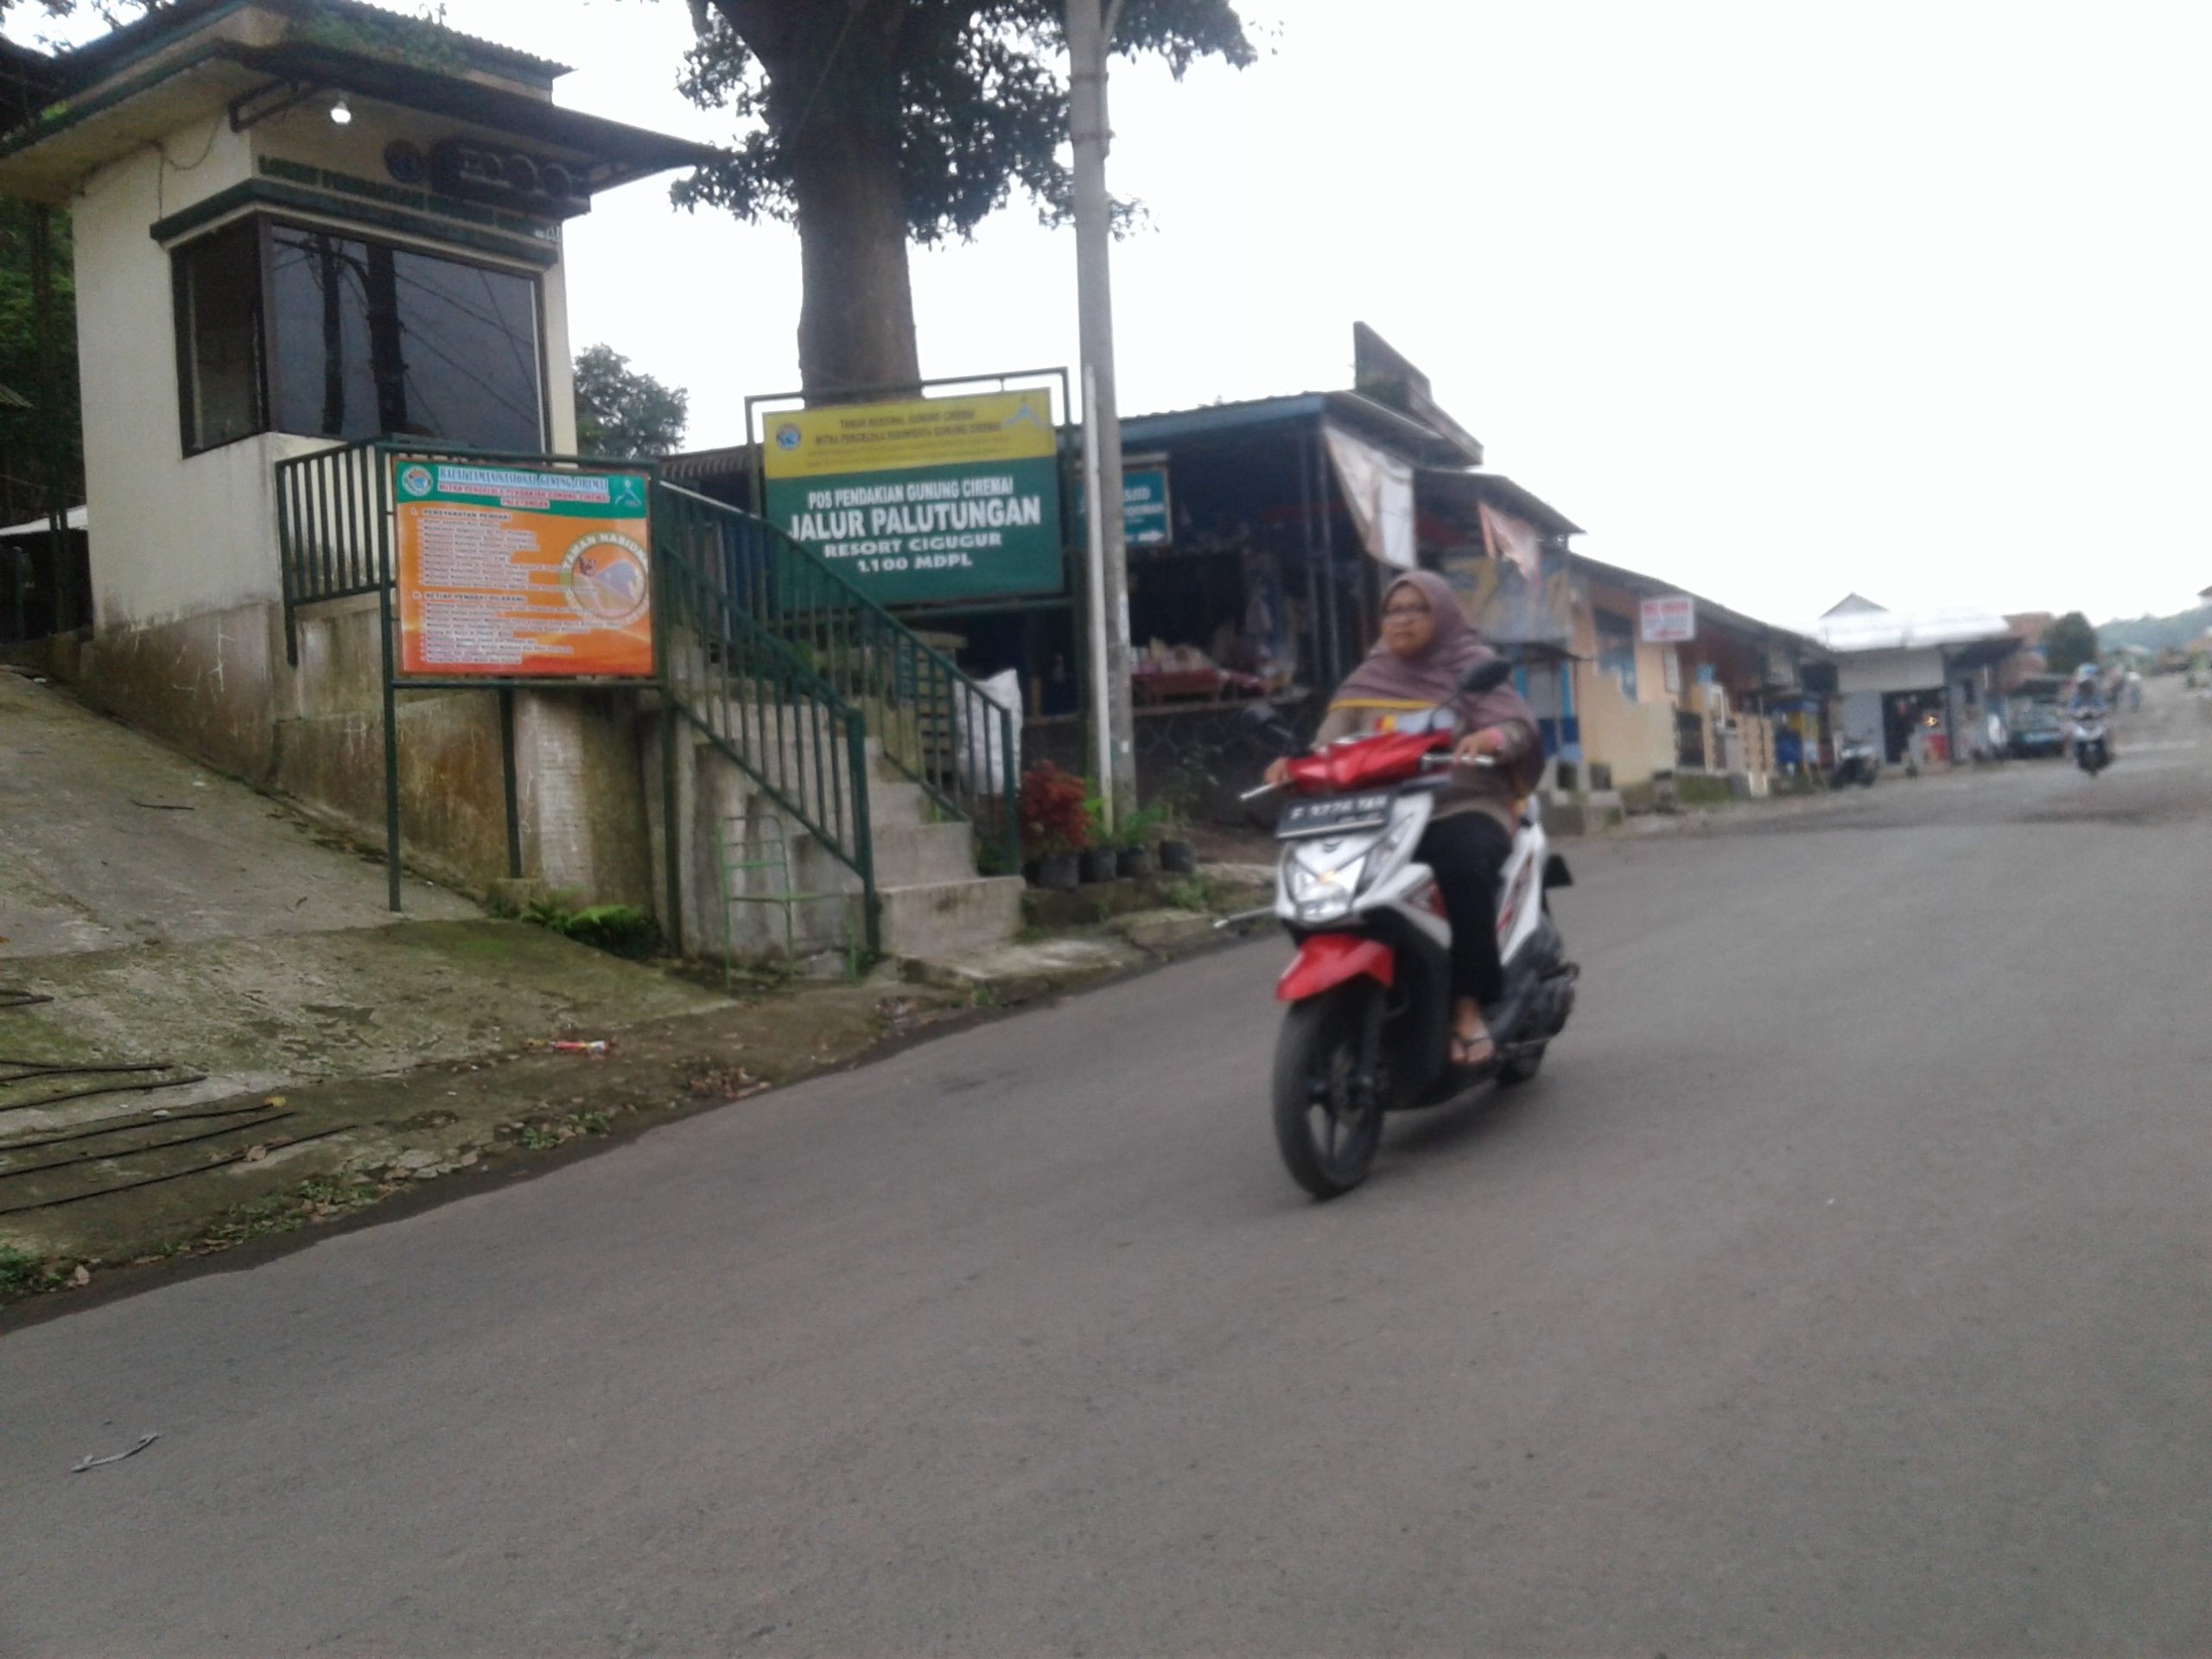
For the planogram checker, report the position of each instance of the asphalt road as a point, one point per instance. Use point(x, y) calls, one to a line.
point(1840, 1287)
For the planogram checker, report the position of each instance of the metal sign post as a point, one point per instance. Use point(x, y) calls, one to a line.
point(502, 572)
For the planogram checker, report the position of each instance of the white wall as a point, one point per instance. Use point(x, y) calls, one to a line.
point(169, 537)
point(172, 536)
point(1889, 670)
point(1861, 716)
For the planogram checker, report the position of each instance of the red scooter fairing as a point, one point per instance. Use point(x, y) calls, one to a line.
point(1329, 959)
point(1362, 763)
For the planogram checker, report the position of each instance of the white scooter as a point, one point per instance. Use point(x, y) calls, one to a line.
point(1368, 1029)
point(2092, 749)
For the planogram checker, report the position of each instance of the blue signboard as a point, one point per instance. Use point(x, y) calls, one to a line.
point(1144, 507)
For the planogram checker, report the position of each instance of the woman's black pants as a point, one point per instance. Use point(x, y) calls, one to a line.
point(1468, 851)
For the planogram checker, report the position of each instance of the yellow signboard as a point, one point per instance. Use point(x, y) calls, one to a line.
point(922, 432)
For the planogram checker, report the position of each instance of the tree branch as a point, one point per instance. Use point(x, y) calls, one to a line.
point(766, 27)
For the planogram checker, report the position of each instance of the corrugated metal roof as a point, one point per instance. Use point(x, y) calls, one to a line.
point(1502, 492)
point(1139, 432)
point(1858, 631)
point(43, 159)
point(103, 56)
point(1401, 433)
point(1646, 587)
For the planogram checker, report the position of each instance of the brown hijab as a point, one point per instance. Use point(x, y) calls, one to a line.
point(1385, 681)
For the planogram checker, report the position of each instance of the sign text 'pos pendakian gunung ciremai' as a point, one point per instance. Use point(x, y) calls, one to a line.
point(522, 572)
point(930, 499)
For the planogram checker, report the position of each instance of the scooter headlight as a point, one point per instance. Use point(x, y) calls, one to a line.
point(1322, 885)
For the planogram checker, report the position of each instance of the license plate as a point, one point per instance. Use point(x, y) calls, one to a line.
point(1335, 816)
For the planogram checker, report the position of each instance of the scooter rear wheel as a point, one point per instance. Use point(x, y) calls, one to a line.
point(1326, 1131)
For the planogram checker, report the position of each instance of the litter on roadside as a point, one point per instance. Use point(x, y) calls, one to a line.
point(565, 1045)
point(83, 1464)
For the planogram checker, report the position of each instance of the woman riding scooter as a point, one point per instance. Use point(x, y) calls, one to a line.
point(1427, 646)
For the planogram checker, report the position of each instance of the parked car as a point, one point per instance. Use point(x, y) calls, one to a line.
point(2037, 732)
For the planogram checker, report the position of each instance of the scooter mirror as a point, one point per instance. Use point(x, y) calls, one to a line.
point(1270, 729)
point(1486, 676)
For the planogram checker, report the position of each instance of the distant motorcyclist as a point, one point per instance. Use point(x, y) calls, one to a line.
point(2089, 697)
point(2088, 702)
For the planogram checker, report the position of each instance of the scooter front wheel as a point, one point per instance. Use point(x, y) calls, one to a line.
point(1327, 1124)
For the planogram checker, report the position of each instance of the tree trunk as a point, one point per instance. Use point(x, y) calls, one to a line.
point(856, 321)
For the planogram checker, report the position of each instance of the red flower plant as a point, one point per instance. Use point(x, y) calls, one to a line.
point(1054, 815)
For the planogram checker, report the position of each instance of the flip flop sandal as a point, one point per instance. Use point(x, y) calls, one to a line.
point(1469, 1053)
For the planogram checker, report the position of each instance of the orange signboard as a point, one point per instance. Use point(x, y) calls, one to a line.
point(522, 572)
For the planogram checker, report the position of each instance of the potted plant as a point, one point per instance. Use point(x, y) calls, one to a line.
point(1177, 856)
point(1055, 827)
point(1132, 840)
point(1098, 856)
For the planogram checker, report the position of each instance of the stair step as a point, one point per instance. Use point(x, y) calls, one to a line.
point(796, 753)
point(933, 920)
point(908, 854)
point(893, 798)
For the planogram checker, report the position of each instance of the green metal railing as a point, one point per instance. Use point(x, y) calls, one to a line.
point(333, 528)
point(781, 662)
point(936, 726)
point(758, 701)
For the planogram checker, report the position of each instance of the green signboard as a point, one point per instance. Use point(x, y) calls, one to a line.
point(929, 500)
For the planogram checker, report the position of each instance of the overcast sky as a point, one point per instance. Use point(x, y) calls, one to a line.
point(1776, 300)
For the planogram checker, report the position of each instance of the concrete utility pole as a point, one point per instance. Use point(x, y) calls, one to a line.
point(1091, 29)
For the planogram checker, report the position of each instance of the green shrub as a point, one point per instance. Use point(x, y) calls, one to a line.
point(1198, 893)
point(20, 1274)
point(618, 929)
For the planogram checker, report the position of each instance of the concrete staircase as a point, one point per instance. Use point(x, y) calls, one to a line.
point(934, 907)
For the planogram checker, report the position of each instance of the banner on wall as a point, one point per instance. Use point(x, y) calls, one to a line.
point(522, 572)
point(1378, 488)
point(1508, 588)
point(927, 499)
point(1669, 620)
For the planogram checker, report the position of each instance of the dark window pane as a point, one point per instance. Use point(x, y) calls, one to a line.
point(325, 385)
point(373, 339)
point(468, 350)
point(219, 291)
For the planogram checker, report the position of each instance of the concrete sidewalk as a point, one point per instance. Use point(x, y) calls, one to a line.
point(109, 839)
